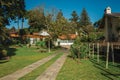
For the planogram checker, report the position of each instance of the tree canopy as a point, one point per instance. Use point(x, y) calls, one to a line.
point(36, 19)
point(75, 17)
point(84, 18)
point(10, 10)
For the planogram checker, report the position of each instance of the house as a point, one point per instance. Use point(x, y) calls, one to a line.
point(34, 37)
point(37, 36)
point(14, 34)
point(111, 25)
point(66, 40)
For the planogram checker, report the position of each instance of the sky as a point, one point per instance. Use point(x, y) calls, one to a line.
point(94, 8)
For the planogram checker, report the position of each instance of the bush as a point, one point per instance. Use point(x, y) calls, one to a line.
point(79, 49)
point(40, 44)
point(4, 53)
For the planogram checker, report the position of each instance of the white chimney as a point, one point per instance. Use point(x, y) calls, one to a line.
point(108, 10)
point(76, 33)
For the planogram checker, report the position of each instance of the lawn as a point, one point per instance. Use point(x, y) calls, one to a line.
point(88, 70)
point(35, 73)
point(20, 57)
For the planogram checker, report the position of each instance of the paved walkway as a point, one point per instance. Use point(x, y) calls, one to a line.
point(53, 70)
point(20, 73)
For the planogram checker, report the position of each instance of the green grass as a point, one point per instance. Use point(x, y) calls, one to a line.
point(35, 73)
point(88, 70)
point(22, 57)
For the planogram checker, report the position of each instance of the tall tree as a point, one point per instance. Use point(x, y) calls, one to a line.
point(84, 18)
point(74, 20)
point(59, 26)
point(36, 19)
point(59, 15)
point(20, 11)
point(9, 10)
point(98, 23)
point(48, 21)
point(75, 17)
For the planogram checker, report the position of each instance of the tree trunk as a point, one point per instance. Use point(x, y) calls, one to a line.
point(18, 25)
point(22, 22)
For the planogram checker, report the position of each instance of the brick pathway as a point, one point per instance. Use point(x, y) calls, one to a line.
point(20, 73)
point(53, 70)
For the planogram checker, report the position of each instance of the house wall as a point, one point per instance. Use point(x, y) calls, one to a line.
point(111, 25)
point(110, 29)
point(34, 40)
point(106, 29)
point(64, 42)
point(116, 24)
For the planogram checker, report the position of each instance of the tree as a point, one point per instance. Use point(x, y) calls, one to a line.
point(13, 29)
point(84, 18)
point(98, 23)
point(75, 17)
point(61, 24)
point(58, 26)
point(48, 21)
point(74, 20)
point(10, 10)
point(36, 19)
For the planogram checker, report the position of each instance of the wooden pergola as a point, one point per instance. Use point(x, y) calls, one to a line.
point(109, 46)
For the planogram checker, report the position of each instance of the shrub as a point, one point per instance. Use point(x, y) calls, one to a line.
point(4, 52)
point(79, 49)
point(40, 44)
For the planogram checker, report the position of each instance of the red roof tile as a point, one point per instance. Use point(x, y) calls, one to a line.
point(69, 36)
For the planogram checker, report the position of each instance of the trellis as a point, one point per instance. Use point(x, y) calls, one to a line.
point(108, 45)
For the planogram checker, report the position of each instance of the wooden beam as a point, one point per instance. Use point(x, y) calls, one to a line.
point(112, 47)
point(98, 51)
point(93, 50)
point(89, 50)
point(107, 55)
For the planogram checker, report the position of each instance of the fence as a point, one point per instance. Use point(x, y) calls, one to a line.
point(107, 48)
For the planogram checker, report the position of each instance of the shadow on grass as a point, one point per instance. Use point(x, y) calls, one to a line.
point(11, 51)
point(3, 61)
point(106, 72)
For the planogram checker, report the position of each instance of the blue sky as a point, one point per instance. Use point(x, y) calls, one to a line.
point(95, 8)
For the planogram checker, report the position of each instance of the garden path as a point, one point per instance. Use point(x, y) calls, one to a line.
point(20, 73)
point(51, 72)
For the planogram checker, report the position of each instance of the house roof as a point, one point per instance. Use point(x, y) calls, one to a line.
point(14, 35)
point(117, 15)
point(114, 14)
point(35, 33)
point(34, 36)
point(69, 36)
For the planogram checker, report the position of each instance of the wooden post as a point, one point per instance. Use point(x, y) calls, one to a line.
point(112, 53)
point(98, 50)
point(107, 56)
point(49, 46)
point(89, 50)
point(93, 50)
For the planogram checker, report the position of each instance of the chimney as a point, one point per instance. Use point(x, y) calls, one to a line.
point(108, 10)
point(76, 33)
